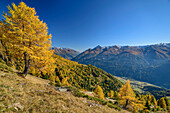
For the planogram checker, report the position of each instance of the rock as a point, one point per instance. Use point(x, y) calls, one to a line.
point(18, 106)
point(47, 85)
point(61, 89)
point(12, 74)
point(94, 104)
point(3, 74)
point(42, 90)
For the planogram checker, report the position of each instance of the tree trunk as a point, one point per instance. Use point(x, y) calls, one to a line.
point(127, 103)
point(27, 64)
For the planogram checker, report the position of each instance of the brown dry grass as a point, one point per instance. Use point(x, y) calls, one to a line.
point(32, 95)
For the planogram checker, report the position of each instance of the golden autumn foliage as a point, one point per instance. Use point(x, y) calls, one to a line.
point(111, 93)
point(26, 37)
point(128, 98)
point(162, 103)
point(99, 92)
point(64, 81)
point(153, 101)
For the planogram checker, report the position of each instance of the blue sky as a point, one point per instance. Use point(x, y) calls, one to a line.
point(83, 24)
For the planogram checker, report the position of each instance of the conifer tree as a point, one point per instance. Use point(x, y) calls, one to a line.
point(149, 98)
point(127, 98)
point(148, 105)
point(162, 103)
point(111, 93)
point(52, 78)
point(27, 37)
point(167, 101)
point(58, 83)
point(64, 81)
point(4, 44)
point(115, 94)
point(153, 101)
point(99, 92)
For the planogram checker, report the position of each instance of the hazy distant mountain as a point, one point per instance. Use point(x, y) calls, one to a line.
point(137, 62)
point(65, 52)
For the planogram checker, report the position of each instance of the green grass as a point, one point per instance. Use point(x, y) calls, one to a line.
point(5, 68)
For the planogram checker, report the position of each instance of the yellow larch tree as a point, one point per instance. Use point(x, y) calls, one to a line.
point(128, 99)
point(4, 43)
point(162, 103)
point(28, 38)
point(111, 93)
point(153, 101)
point(99, 92)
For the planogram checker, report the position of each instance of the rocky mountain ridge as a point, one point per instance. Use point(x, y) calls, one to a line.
point(65, 52)
point(137, 62)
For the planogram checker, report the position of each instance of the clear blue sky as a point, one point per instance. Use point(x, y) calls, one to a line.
point(83, 24)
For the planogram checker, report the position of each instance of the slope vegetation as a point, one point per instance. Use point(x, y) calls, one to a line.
point(24, 95)
point(85, 77)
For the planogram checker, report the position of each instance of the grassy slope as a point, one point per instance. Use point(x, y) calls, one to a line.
point(32, 95)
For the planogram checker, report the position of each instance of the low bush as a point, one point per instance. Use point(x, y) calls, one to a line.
point(4, 67)
point(114, 106)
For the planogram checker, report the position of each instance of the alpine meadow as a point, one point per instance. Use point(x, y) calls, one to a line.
point(40, 73)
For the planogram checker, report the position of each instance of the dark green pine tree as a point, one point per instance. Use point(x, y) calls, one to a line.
point(147, 105)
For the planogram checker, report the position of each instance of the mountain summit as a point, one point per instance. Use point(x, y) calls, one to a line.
point(65, 52)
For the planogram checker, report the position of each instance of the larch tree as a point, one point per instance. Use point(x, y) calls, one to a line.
point(28, 38)
point(167, 101)
point(111, 93)
point(162, 103)
point(153, 101)
point(4, 44)
point(99, 92)
point(127, 98)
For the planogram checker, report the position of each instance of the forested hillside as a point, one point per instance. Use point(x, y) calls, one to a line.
point(84, 76)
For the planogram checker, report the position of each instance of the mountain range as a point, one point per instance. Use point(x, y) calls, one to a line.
point(65, 52)
point(150, 63)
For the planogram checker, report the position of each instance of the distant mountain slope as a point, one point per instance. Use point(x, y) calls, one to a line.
point(161, 74)
point(85, 76)
point(137, 62)
point(65, 52)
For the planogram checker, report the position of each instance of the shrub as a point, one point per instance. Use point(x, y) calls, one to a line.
point(58, 84)
point(51, 83)
point(79, 94)
point(4, 67)
point(114, 106)
point(110, 102)
point(158, 108)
